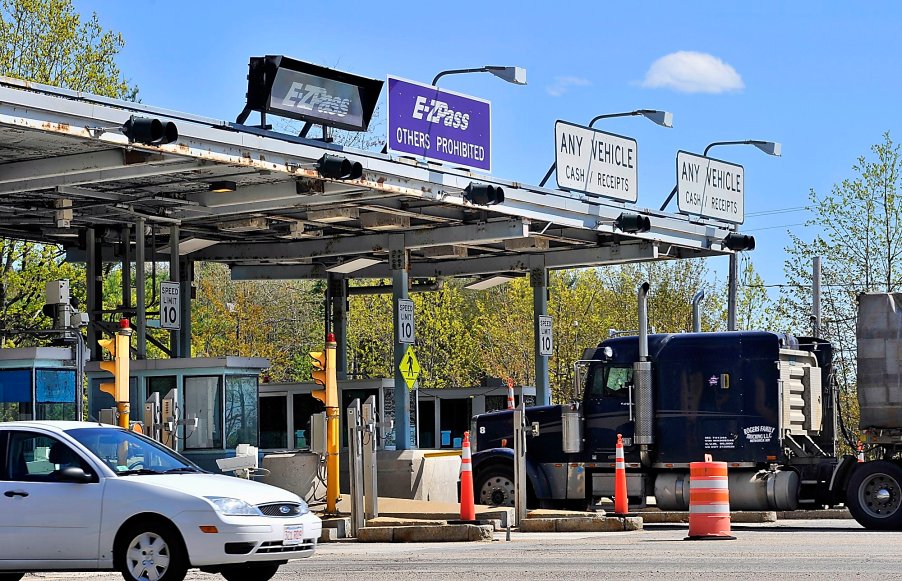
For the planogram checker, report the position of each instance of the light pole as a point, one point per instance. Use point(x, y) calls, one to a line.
point(515, 75)
point(770, 148)
point(662, 118)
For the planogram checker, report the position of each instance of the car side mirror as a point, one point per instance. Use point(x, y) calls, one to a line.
point(74, 474)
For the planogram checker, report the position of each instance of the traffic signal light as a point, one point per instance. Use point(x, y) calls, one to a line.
point(118, 365)
point(739, 242)
point(483, 194)
point(632, 223)
point(318, 373)
point(338, 168)
point(150, 131)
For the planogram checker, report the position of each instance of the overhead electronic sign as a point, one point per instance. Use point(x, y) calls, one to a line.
point(444, 126)
point(299, 90)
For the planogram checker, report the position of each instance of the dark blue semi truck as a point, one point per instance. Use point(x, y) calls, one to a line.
point(761, 402)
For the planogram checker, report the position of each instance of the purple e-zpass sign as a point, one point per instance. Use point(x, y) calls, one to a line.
point(429, 122)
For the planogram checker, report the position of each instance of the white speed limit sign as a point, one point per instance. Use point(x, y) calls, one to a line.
point(169, 306)
point(405, 321)
point(546, 343)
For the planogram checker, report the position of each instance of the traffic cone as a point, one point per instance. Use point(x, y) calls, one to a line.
point(621, 500)
point(860, 451)
point(510, 396)
point(467, 505)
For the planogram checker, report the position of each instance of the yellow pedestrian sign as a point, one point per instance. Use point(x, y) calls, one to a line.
point(410, 368)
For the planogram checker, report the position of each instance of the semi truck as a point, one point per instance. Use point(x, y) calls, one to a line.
point(765, 403)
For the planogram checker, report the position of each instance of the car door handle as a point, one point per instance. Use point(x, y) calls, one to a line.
point(12, 493)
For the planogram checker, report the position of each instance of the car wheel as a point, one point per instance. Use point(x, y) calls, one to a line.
point(152, 552)
point(874, 495)
point(251, 573)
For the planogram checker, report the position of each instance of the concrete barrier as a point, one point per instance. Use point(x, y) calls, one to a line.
point(580, 524)
point(828, 513)
point(746, 517)
point(407, 474)
point(425, 534)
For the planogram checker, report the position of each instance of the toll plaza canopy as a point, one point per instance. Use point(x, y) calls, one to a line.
point(257, 200)
point(118, 181)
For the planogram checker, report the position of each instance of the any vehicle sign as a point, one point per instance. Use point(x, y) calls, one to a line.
point(595, 162)
point(710, 188)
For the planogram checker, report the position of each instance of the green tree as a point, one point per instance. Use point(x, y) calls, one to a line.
point(861, 244)
point(46, 41)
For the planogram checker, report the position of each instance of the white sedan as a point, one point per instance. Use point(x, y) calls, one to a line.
point(88, 496)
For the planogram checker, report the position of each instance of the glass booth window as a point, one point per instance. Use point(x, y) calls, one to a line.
point(274, 421)
point(203, 399)
point(15, 395)
point(55, 394)
point(241, 410)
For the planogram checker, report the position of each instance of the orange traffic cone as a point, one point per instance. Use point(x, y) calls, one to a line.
point(860, 451)
point(510, 395)
point(621, 500)
point(467, 505)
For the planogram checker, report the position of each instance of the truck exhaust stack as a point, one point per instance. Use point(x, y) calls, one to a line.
point(697, 311)
point(644, 435)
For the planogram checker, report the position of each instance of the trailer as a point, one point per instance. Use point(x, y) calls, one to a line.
point(762, 402)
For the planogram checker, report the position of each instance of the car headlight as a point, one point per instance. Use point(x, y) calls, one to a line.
point(303, 508)
point(233, 506)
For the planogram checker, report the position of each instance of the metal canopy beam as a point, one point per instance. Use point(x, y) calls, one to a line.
point(598, 256)
point(364, 244)
point(115, 174)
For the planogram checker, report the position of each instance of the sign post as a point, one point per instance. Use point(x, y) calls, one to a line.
point(440, 125)
point(595, 162)
point(169, 306)
point(710, 188)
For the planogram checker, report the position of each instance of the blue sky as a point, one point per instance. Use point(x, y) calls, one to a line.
point(821, 78)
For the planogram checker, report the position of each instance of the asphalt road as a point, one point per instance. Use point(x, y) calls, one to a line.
point(822, 549)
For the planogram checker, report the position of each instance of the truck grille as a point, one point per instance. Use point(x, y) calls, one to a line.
point(280, 509)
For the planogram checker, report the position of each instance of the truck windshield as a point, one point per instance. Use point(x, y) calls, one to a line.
point(610, 381)
point(128, 453)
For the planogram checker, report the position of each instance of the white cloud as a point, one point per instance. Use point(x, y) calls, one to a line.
point(692, 72)
point(563, 84)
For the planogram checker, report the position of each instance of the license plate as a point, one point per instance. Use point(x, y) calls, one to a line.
point(293, 535)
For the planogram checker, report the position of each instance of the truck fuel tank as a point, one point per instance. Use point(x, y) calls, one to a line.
point(749, 490)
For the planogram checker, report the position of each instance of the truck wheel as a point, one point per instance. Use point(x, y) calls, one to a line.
point(495, 486)
point(874, 495)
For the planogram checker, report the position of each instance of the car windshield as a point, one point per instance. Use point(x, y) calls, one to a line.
point(128, 453)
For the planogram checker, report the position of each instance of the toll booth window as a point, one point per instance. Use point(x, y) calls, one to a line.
point(15, 395)
point(611, 381)
point(274, 421)
point(241, 410)
point(203, 399)
point(55, 394)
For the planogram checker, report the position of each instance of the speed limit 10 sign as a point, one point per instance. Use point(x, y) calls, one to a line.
point(546, 343)
point(405, 321)
point(169, 306)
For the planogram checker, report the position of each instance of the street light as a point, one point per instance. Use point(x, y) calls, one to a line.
point(770, 148)
point(515, 75)
point(662, 118)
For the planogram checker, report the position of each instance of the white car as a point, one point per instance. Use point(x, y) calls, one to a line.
point(88, 496)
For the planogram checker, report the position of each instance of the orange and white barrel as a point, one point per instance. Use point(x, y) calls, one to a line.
point(709, 501)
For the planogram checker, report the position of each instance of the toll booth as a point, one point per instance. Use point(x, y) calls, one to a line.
point(444, 414)
point(222, 393)
point(38, 383)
